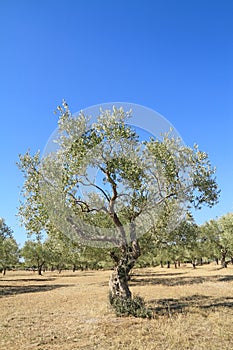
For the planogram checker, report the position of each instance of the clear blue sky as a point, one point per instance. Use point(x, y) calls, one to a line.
point(174, 56)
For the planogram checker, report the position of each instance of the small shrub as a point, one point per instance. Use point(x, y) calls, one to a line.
point(130, 307)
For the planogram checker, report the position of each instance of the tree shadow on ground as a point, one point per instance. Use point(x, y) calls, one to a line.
point(9, 290)
point(226, 278)
point(196, 302)
point(83, 274)
point(38, 279)
point(177, 281)
point(157, 274)
point(55, 275)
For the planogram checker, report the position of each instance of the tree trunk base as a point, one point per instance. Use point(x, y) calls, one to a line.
point(118, 284)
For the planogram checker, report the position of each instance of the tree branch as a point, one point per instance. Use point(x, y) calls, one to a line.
point(82, 234)
point(96, 186)
point(82, 203)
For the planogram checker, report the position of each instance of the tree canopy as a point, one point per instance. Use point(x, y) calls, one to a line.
point(103, 185)
point(9, 251)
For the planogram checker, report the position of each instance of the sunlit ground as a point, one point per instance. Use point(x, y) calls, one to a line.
point(193, 309)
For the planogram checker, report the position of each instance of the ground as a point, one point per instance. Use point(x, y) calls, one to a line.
point(193, 309)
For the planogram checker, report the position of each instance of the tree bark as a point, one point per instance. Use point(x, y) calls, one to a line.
point(39, 267)
point(223, 260)
point(4, 271)
point(118, 283)
point(168, 264)
point(194, 263)
point(224, 263)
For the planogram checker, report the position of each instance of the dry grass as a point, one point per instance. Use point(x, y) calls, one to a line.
point(193, 309)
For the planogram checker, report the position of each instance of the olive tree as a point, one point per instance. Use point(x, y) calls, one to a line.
point(35, 254)
point(217, 235)
point(9, 250)
point(136, 186)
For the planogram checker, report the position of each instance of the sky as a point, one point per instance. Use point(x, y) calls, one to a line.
point(173, 56)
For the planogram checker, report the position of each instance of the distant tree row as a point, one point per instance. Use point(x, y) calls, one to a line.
point(60, 254)
point(52, 253)
point(212, 241)
point(188, 243)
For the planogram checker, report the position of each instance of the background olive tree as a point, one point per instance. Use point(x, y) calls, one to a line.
point(9, 250)
point(217, 238)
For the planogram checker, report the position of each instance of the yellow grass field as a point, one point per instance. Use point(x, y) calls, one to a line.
point(193, 309)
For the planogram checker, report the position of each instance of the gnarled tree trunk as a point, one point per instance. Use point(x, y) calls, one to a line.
point(118, 283)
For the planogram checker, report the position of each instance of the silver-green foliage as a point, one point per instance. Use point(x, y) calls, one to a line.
point(140, 184)
point(9, 250)
point(217, 237)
